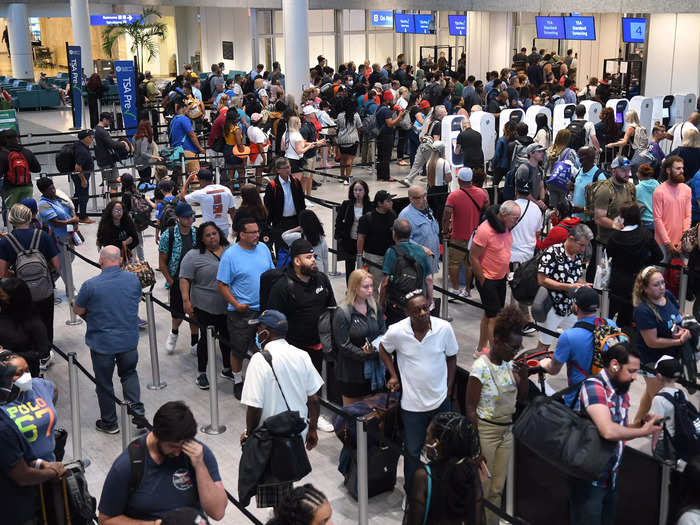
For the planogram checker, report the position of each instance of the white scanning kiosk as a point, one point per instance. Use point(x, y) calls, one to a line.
point(662, 110)
point(683, 105)
point(451, 128)
point(593, 110)
point(515, 114)
point(619, 106)
point(485, 123)
point(644, 106)
point(531, 118)
point(563, 113)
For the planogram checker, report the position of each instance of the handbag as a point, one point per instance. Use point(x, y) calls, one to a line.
point(602, 272)
point(541, 305)
point(143, 270)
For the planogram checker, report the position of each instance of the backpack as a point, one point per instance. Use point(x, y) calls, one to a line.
point(524, 283)
point(369, 124)
point(79, 502)
point(167, 215)
point(406, 276)
point(509, 183)
point(65, 159)
point(32, 268)
point(591, 190)
point(140, 211)
point(206, 89)
point(268, 279)
point(605, 336)
point(562, 172)
point(686, 442)
point(137, 461)
point(325, 329)
point(18, 173)
point(640, 141)
point(578, 134)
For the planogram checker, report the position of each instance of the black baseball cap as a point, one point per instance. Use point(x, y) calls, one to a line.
point(84, 133)
point(107, 115)
point(300, 247)
point(586, 298)
point(383, 195)
point(669, 367)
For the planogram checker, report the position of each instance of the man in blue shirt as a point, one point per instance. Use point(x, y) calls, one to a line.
point(425, 229)
point(109, 303)
point(569, 95)
point(588, 174)
point(182, 134)
point(575, 345)
point(238, 278)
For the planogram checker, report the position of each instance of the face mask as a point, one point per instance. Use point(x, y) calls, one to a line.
point(24, 382)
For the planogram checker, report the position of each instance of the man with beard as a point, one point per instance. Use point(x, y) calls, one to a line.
point(610, 196)
point(162, 471)
point(606, 401)
point(302, 295)
point(671, 204)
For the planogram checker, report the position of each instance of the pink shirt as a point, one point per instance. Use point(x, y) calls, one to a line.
point(496, 255)
point(671, 208)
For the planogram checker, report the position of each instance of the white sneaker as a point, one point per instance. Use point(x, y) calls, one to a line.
point(170, 343)
point(44, 364)
point(324, 425)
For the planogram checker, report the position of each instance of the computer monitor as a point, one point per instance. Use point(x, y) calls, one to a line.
point(634, 30)
point(404, 23)
point(550, 27)
point(579, 27)
point(458, 24)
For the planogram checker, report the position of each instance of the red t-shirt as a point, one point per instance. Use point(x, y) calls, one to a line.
point(465, 215)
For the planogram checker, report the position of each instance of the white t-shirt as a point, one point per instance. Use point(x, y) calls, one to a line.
point(290, 140)
point(664, 408)
point(589, 128)
point(422, 364)
point(402, 103)
point(215, 201)
point(442, 167)
point(690, 517)
point(677, 130)
point(297, 378)
point(525, 232)
point(257, 136)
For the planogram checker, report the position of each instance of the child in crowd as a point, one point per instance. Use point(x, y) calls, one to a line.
point(645, 188)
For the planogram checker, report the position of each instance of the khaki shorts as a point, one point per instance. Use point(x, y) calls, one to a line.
point(457, 256)
point(191, 165)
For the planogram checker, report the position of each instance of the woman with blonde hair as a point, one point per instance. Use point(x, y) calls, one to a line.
point(635, 134)
point(357, 323)
point(439, 175)
point(560, 151)
point(689, 151)
point(658, 328)
point(294, 148)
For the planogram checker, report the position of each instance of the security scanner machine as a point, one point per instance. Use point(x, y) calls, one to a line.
point(683, 105)
point(644, 106)
point(563, 113)
point(515, 114)
point(485, 123)
point(451, 128)
point(531, 116)
point(662, 110)
point(593, 110)
point(619, 106)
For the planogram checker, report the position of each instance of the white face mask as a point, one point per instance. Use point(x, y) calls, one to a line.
point(24, 382)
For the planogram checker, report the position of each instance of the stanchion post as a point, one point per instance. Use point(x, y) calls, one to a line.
point(70, 287)
point(334, 244)
point(495, 193)
point(217, 172)
point(362, 482)
point(445, 278)
point(93, 189)
point(510, 485)
point(605, 304)
point(213, 427)
point(74, 406)
point(665, 493)
point(156, 383)
point(126, 425)
point(683, 290)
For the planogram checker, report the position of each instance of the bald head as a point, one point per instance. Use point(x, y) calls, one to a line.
point(694, 118)
point(476, 107)
point(110, 256)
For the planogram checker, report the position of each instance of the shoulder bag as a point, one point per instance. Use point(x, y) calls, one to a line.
point(142, 269)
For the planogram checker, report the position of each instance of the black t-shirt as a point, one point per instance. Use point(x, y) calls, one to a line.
point(19, 502)
point(82, 156)
point(436, 129)
point(469, 141)
point(308, 131)
point(494, 106)
point(384, 112)
point(377, 227)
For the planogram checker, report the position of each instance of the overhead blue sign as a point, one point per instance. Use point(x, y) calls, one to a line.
point(75, 69)
point(458, 24)
point(126, 84)
point(550, 27)
point(404, 23)
point(382, 18)
point(424, 24)
point(579, 27)
point(634, 30)
point(111, 20)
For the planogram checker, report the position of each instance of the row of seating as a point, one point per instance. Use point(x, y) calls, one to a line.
point(29, 95)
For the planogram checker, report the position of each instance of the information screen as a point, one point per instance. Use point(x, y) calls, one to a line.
point(424, 24)
point(458, 24)
point(404, 23)
point(550, 27)
point(634, 30)
point(382, 18)
point(579, 27)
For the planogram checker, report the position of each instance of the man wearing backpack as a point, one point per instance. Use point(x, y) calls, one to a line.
point(531, 172)
point(152, 94)
point(82, 158)
point(16, 166)
point(105, 146)
point(607, 197)
point(582, 131)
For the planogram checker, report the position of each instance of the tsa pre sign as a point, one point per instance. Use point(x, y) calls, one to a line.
point(75, 69)
point(126, 84)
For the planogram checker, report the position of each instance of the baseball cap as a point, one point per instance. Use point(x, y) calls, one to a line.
point(83, 133)
point(586, 298)
point(147, 74)
point(184, 516)
point(255, 117)
point(522, 185)
point(533, 148)
point(465, 174)
point(424, 104)
point(107, 115)
point(272, 319)
point(262, 92)
point(182, 209)
point(387, 96)
point(438, 145)
point(620, 162)
point(383, 195)
point(205, 174)
point(309, 110)
point(300, 247)
point(669, 367)
point(31, 204)
point(42, 74)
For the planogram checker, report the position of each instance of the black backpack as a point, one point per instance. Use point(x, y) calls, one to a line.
point(686, 442)
point(167, 215)
point(81, 504)
point(206, 89)
point(406, 276)
point(267, 282)
point(65, 158)
point(524, 283)
point(578, 134)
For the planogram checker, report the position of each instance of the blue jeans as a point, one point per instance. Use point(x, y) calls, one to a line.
point(591, 505)
point(103, 366)
point(412, 145)
point(415, 425)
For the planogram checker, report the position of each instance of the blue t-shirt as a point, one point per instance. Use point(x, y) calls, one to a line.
point(583, 179)
point(112, 303)
point(645, 319)
point(241, 269)
point(694, 184)
point(35, 416)
point(575, 345)
point(19, 503)
point(54, 209)
point(163, 488)
point(384, 112)
point(47, 246)
point(180, 126)
point(645, 189)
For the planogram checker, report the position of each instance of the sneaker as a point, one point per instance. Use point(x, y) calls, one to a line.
point(202, 382)
point(404, 182)
point(227, 373)
point(346, 182)
point(529, 328)
point(86, 220)
point(454, 291)
point(324, 425)
point(44, 364)
point(466, 293)
point(142, 323)
point(140, 422)
point(170, 343)
point(238, 390)
point(107, 429)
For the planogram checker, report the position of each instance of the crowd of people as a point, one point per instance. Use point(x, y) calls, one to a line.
point(258, 273)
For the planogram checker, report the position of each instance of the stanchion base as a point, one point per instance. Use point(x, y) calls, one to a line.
point(333, 274)
point(213, 431)
point(74, 323)
point(160, 386)
point(73, 129)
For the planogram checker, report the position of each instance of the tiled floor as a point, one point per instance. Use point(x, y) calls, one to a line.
point(179, 370)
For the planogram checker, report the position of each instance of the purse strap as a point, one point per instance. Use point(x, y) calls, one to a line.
point(430, 491)
point(268, 358)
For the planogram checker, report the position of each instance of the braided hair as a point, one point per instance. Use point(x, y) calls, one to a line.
point(458, 437)
point(299, 508)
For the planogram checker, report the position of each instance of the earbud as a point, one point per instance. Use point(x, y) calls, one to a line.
point(615, 368)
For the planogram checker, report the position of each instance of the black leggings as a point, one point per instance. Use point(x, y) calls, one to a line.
point(218, 322)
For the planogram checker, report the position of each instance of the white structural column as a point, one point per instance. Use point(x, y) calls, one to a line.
point(80, 18)
point(296, 46)
point(253, 39)
point(20, 44)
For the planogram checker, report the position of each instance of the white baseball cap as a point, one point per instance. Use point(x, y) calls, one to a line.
point(465, 174)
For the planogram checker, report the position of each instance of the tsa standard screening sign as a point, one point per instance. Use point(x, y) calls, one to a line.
point(126, 84)
point(382, 18)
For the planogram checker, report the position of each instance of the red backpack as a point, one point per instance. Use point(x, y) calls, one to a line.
point(18, 169)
